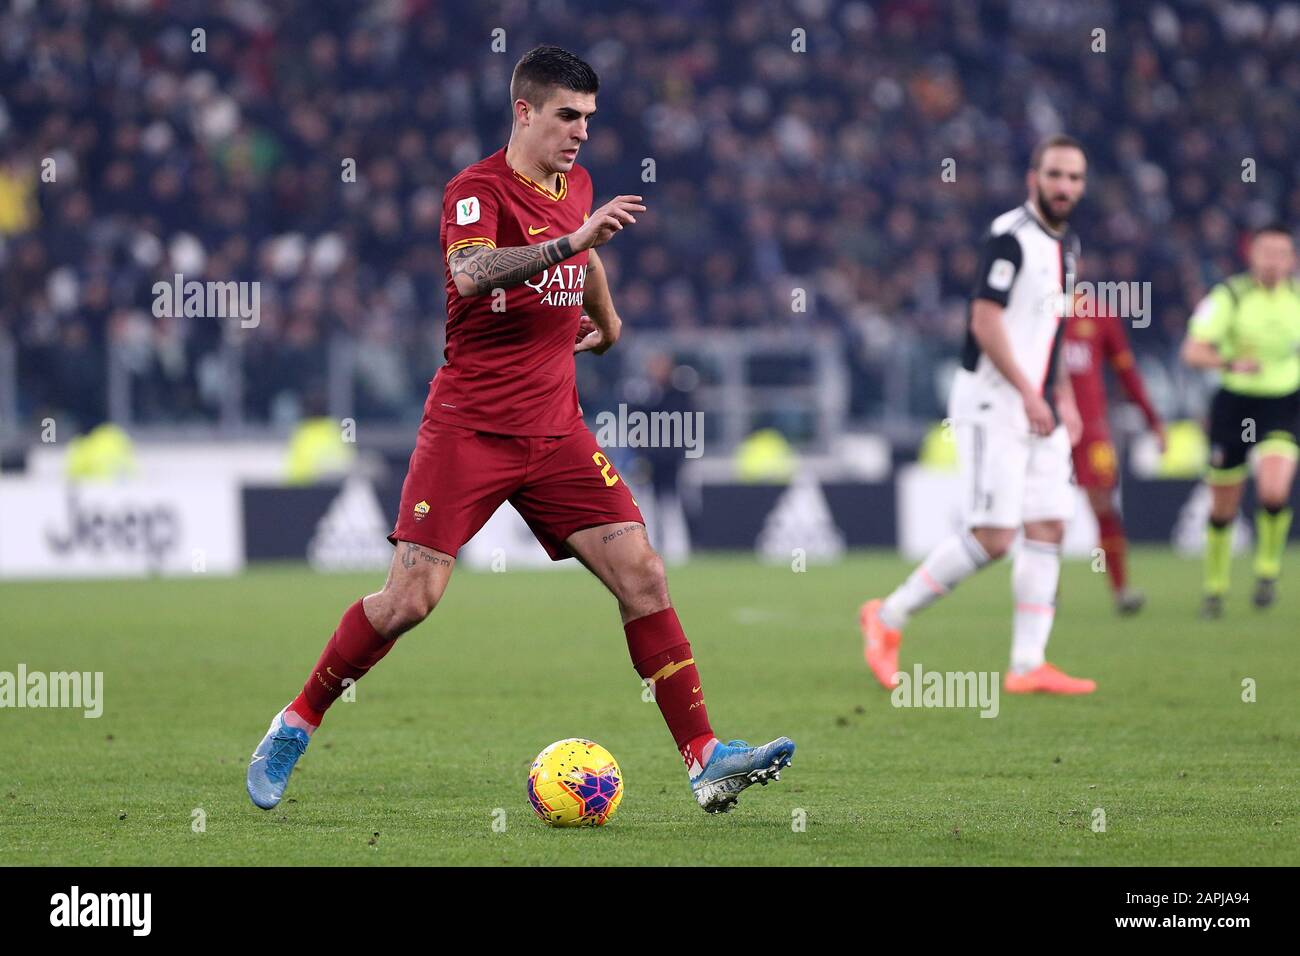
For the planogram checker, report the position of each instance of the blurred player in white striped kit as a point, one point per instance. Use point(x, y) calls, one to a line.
point(1015, 420)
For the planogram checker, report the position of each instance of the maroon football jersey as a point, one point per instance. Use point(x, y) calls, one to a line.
point(510, 352)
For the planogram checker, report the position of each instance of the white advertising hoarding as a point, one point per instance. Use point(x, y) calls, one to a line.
point(52, 528)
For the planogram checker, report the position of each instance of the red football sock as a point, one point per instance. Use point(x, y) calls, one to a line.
point(355, 648)
point(661, 653)
point(1113, 543)
point(696, 753)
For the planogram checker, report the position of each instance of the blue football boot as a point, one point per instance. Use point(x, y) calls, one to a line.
point(735, 765)
point(273, 761)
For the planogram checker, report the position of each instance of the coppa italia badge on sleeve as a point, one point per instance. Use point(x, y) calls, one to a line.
point(466, 211)
point(1000, 275)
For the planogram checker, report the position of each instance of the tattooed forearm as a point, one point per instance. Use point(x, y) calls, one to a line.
point(491, 269)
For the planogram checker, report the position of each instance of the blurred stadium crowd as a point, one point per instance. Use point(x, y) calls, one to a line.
point(773, 170)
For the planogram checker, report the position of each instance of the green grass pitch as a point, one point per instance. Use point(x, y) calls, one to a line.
point(442, 732)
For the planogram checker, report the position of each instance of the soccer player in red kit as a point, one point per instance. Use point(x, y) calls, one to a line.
point(502, 423)
point(1093, 339)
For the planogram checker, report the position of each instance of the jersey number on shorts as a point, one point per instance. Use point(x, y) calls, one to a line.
point(606, 469)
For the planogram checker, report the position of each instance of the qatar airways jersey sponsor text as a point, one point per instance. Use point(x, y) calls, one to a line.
point(560, 285)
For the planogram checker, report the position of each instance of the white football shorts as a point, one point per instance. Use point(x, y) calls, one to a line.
point(1009, 477)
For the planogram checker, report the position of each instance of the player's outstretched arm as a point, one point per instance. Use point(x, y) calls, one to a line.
point(477, 270)
point(601, 326)
point(1115, 343)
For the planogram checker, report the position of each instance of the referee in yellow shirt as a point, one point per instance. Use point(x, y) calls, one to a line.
point(1248, 328)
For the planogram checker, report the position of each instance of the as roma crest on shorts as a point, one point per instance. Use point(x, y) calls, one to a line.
point(420, 510)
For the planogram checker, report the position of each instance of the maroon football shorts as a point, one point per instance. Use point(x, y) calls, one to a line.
point(458, 477)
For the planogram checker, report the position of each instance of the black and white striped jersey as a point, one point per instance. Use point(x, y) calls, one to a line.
point(1026, 268)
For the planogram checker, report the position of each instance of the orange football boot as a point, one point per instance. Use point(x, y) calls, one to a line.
point(1046, 679)
point(879, 644)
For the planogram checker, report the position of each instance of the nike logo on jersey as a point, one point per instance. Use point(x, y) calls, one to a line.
point(538, 230)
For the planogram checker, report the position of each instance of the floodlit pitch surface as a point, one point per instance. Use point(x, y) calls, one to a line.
point(428, 765)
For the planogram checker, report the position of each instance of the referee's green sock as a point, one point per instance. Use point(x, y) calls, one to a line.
point(1218, 556)
point(1271, 527)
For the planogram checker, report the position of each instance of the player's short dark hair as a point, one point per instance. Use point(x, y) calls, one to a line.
point(543, 68)
point(1276, 226)
point(1050, 142)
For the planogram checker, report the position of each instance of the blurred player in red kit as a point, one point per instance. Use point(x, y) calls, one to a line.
point(1093, 339)
point(526, 291)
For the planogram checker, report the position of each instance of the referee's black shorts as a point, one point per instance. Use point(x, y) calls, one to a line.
point(1241, 422)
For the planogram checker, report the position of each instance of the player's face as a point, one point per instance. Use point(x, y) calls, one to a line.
point(1057, 184)
point(558, 127)
point(1272, 257)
